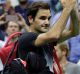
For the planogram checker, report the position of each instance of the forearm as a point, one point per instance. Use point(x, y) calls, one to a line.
point(74, 27)
point(26, 27)
point(3, 16)
point(59, 26)
point(75, 24)
point(24, 24)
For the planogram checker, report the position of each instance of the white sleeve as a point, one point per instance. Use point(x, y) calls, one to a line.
point(2, 43)
point(1, 65)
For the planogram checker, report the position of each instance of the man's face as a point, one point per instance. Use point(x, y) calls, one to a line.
point(42, 21)
point(12, 27)
point(58, 52)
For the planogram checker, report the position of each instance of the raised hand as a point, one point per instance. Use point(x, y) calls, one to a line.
point(22, 22)
point(69, 4)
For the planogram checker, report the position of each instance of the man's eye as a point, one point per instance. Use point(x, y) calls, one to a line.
point(43, 17)
point(49, 18)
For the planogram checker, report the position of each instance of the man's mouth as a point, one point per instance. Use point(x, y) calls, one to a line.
point(46, 26)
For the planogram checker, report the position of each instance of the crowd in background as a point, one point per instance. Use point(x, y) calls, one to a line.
point(14, 19)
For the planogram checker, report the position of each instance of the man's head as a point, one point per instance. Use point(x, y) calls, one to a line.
point(23, 2)
point(39, 16)
point(62, 50)
point(12, 27)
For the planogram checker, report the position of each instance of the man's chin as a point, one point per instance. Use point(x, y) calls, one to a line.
point(44, 31)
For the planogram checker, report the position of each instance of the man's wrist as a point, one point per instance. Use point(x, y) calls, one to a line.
point(67, 10)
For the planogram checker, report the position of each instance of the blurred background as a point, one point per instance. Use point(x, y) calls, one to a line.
point(5, 4)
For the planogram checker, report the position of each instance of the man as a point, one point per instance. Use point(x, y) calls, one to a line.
point(10, 27)
point(67, 66)
point(34, 46)
point(22, 9)
point(39, 35)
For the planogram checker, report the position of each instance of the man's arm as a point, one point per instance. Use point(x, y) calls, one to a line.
point(55, 32)
point(74, 28)
point(2, 17)
point(75, 22)
point(22, 22)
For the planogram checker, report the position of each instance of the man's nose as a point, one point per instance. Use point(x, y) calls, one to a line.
point(13, 28)
point(47, 21)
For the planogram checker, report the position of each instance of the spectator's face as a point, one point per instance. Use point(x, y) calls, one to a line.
point(12, 27)
point(42, 21)
point(58, 52)
point(63, 2)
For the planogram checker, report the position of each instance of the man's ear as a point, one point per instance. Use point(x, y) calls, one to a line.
point(30, 19)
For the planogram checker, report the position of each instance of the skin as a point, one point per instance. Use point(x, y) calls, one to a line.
point(61, 56)
point(41, 23)
point(12, 27)
point(78, 9)
point(59, 52)
point(41, 26)
point(63, 2)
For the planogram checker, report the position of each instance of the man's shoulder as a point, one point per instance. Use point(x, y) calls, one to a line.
point(28, 36)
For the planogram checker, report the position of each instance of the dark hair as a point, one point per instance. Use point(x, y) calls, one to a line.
point(22, 2)
point(35, 6)
point(10, 9)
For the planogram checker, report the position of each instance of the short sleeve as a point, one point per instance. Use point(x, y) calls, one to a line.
point(25, 42)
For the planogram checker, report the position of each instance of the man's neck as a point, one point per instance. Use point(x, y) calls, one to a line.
point(33, 30)
point(63, 64)
point(63, 61)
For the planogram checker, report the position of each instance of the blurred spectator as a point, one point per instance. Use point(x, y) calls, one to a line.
point(2, 3)
point(10, 14)
point(10, 27)
point(74, 46)
point(22, 9)
point(53, 4)
point(58, 7)
point(67, 66)
point(74, 43)
point(1, 9)
point(2, 22)
point(14, 3)
point(13, 16)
